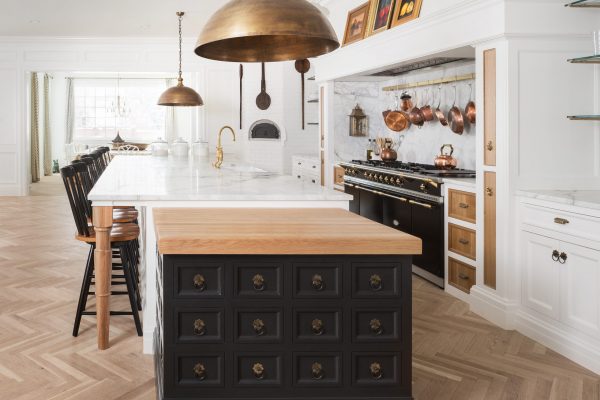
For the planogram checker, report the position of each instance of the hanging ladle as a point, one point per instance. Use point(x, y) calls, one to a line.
point(303, 66)
point(263, 101)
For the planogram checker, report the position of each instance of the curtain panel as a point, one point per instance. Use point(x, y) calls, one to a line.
point(47, 128)
point(35, 129)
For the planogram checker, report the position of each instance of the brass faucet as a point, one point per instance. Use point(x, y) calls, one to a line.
point(219, 161)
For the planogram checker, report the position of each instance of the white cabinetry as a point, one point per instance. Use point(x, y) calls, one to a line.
point(306, 169)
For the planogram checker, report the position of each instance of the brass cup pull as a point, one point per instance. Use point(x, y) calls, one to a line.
point(318, 327)
point(489, 191)
point(490, 146)
point(317, 282)
point(464, 277)
point(562, 258)
point(463, 241)
point(199, 327)
point(258, 281)
point(200, 371)
point(375, 282)
point(463, 205)
point(200, 282)
point(259, 327)
point(561, 221)
point(317, 371)
point(258, 370)
point(555, 255)
point(376, 370)
point(376, 326)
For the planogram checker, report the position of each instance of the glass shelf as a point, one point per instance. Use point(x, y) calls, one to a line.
point(585, 60)
point(584, 117)
point(584, 4)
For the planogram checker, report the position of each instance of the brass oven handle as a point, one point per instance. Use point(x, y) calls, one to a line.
point(317, 282)
point(416, 203)
point(561, 221)
point(489, 191)
point(376, 282)
point(258, 370)
point(258, 281)
point(200, 282)
point(562, 258)
point(376, 370)
point(377, 192)
point(318, 327)
point(200, 371)
point(464, 277)
point(317, 371)
point(376, 326)
point(463, 205)
point(199, 327)
point(259, 327)
point(555, 255)
point(463, 241)
point(490, 146)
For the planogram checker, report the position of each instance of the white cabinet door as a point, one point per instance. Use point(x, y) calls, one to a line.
point(580, 288)
point(540, 273)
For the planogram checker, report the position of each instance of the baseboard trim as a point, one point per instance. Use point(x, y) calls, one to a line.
point(148, 340)
point(493, 308)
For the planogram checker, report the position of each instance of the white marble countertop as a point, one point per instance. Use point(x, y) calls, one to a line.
point(467, 182)
point(580, 198)
point(194, 179)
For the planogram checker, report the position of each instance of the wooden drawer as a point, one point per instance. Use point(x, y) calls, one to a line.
point(376, 325)
point(375, 281)
point(462, 241)
point(203, 325)
point(199, 281)
point(462, 205)
point(338, 175)
point(258, 280)
point(317, 281)
point(258, 370)
point(317, 325)
point(461, 275)
point(376, 369)
point(259, 326)
point(317, 369)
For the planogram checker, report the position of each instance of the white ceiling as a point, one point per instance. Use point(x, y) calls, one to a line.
point(105, 18)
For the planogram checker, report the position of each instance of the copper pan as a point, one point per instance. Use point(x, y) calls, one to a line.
point(427, 112)
point(407, 103)
point(455, 118)
point(471, 109)
point(416, 117)
point(395, 120)
point(439, 113)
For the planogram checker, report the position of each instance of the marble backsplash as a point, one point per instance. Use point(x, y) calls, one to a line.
point(420, 145)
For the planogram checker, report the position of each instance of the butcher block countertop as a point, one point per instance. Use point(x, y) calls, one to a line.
point(246, 231)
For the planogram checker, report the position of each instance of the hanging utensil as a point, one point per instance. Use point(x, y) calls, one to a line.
point(396, 120)
point(427, 111)
point(303, 66)
point(416, 116)
point(263, 101)
point(438, 111)
point(407, 103)
point(241, 92)
point(455, 117)
point(471, 109)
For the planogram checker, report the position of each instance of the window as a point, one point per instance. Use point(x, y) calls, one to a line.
point(96, 119)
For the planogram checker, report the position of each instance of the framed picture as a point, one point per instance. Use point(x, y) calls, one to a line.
point(380, 15)
point(406, 10)
point(356, 26)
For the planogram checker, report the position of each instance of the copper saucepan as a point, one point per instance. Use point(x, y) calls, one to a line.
point(455, 118)
point(439, 113)
point(407, 103)
point(427, 111)
point(416, 117)
point(471, 109)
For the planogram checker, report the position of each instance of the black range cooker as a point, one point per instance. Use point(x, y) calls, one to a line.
point(408, 197)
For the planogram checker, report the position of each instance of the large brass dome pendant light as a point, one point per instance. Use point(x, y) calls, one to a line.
point(266, 31)
point(180, 95)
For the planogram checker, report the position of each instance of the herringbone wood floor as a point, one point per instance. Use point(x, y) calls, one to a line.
point(457, 355)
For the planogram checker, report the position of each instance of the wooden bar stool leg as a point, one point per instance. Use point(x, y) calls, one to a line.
point(85, 290)
point(103, 217)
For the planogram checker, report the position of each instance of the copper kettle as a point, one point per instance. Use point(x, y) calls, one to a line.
point(388, 153)
point(446, 161)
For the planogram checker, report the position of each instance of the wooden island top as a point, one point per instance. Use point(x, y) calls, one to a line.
point(251, 231)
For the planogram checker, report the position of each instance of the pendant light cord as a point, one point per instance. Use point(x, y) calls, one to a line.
point(180, 15)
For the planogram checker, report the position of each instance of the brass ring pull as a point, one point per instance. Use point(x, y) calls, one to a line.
point(199, 327)
point(376, 283)
point(259, 327)
point(258, 370)
point(318, 327)
point(200, 371)
point(200, 282)
point(376, 370)
point(555, 255)
point(376, 326)
point(317, 282)
point(258, 281)
point(562, 258)
point(490, 146)
point(317, 371)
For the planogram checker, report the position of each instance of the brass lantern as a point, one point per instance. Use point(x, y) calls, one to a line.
point(359, 122)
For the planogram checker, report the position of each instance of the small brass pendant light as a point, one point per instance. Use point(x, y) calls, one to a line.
point(180, 95)
point(266, 31)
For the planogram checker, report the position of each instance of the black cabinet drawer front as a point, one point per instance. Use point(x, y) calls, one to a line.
point(258, 326)
point(317, 326)
point(259, 280)
point(202, 370)
point(376, 325)
point(376, 369)
point(375, 280)
point(200, 326)
point(259, 370)
point(201, 281)
point(317, 280)
point(318, 369)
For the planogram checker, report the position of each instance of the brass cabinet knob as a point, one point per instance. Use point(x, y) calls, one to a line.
point(376, 326)
point(317, 371)
point(562, 258)
point(259, 327)
point(258, 281)
point(200, 282)
point(376, 370)
point(199, 327)
point(317, 282)
point(318, 327)
point(375, 282)
point(200, 371)
point(258, 370)
point(490, 146)
point(489, 191)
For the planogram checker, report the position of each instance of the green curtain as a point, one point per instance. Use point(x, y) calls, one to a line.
point(35, 130)
point(47, 136)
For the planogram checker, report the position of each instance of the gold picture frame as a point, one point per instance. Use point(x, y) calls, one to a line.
point(357, 24)
point(406, 10)
point(380, 16)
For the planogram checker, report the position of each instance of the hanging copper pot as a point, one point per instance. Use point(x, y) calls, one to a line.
point(416, 117)
point(406, 105)
point(455, 118)
point(397, 121)
point(446, 161)
point(438, 111)
point(471, 109)
point(427, 112)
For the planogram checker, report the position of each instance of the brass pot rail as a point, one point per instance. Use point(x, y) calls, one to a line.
point(429, 83)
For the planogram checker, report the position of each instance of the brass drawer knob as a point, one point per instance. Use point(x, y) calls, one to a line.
point(258, 281)
point(376, 370)
point(489, 191)
point(199, 327)
point(318, 327)
point(490, 146)
point(376, 326)
point(375, 282)
point(317, 371)
point(259, 327)
point(200, 282)
point(258, 370)
point(317, 282)
point(200, 371)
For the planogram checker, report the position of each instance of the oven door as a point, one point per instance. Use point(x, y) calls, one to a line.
point(427, 223)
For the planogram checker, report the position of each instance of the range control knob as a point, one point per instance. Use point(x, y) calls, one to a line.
point(387, 179)
point(399, 181)
point(366, 174)
point(370, 176)
point(423, 187)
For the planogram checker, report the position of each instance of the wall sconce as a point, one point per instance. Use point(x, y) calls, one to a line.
point(359, 122)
